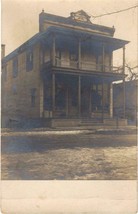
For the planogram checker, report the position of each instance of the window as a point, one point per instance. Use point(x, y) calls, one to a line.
point(29, 60)
point(33, 97)
point(58, 54)
point(14, 89)
point(21, 61)
point(58, 58)
point(73, 56)
point(15, 67)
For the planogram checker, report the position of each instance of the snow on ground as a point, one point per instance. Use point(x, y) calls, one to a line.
point(68, 155)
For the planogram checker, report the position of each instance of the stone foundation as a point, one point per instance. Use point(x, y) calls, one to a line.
point(115, 122)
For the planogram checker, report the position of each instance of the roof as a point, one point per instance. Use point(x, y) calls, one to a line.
point(116, 43)
point(70, 21)
point(93, 36)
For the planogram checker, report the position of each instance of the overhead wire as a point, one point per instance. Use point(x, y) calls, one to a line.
point(115, 12)
point(119, 11)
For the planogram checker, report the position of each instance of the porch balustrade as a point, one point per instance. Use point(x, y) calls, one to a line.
point(83, 65)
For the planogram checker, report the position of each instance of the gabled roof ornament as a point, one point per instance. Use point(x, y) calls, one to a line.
point(81, 16)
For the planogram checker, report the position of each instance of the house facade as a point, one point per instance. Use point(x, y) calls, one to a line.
point(64, 73)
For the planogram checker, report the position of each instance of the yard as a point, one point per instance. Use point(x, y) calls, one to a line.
point(68, 155)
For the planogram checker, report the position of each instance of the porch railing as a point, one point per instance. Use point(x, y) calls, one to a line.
point(84, 65)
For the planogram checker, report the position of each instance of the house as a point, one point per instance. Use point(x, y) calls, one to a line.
point(64, 73)
point(131, 101)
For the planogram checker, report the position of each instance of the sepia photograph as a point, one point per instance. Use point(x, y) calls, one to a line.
point(69, 78)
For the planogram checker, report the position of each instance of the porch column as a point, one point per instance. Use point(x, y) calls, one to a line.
point(41, 99)
point(79, 53)
point(53, 95)
point(67, 102)
point(102, 100)
point(124, 90)
point(79, 95)
point(53, 49)
point(103, 57)
point(111, 61)
point(111, 100)
point(90, 103)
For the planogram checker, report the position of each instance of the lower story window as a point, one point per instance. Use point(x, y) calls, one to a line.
point(33, 97)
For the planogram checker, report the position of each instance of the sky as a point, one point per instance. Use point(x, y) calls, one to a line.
point(20, 19)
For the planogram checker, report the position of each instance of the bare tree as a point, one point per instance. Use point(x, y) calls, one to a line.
point(132, 74)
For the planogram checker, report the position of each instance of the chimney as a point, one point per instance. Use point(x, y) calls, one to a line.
point(2, 51)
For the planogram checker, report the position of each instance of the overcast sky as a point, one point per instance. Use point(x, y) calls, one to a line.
point(20, 20)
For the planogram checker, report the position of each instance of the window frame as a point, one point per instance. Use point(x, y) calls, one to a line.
point(29, 59)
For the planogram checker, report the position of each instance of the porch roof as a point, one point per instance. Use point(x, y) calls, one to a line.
point(97, 39)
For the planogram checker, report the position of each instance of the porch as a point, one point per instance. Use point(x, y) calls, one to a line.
point(67, 96)
point(77, 74)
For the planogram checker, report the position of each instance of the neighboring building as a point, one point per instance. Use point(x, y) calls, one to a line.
point(63, 73)
point(131, 101)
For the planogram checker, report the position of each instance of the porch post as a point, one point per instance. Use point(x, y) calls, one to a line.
point(90, 103)
point(103, 57)
point(102, 100)
point(67, 102)
point(124, 90)
point(111, 100)
point(79, 53)
point(53, 50)
point(53, 95)
point(111, 61)
point(41, 98)
point(79, 96)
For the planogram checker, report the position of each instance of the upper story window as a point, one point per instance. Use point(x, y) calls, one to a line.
point(58, 54)
point(15, 67)
point(73, 56)
point(58, 57)
point(29, 60)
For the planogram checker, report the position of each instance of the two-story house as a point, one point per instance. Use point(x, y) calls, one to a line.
point(64, 73)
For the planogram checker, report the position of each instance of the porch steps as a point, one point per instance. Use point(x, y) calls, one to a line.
point(91, 122)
